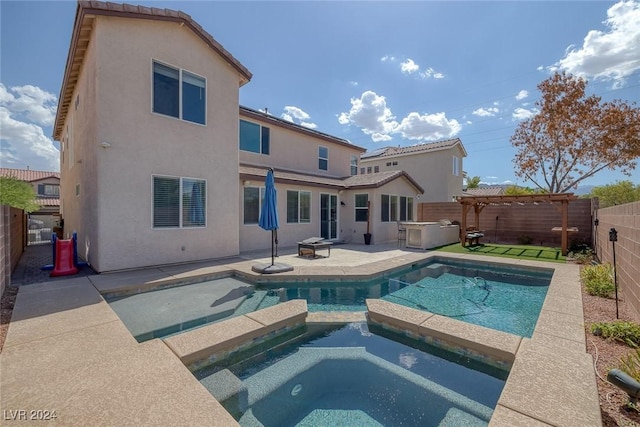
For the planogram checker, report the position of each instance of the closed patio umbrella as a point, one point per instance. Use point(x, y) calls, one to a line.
point(269, 213)
point(269, 221)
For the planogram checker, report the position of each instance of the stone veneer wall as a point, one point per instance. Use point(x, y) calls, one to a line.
point(518, 221)
point(626, 220)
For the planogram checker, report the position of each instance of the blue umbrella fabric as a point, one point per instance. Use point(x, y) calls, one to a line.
point(269, 214)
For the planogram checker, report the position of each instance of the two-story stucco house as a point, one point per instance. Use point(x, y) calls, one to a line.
point(436, 166)
point(160, 164)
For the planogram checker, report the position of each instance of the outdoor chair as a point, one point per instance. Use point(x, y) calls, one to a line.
point(402, 233)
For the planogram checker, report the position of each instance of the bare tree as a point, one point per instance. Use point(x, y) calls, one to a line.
point(574, 136)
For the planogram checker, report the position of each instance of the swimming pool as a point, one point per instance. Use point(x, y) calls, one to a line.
point(355, 375)
point(492, 295)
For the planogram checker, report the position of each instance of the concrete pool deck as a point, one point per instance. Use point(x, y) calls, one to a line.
point(67, 351)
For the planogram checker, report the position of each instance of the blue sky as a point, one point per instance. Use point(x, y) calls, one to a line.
point(375, 73)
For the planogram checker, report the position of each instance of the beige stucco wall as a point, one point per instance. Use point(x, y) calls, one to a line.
point(296, 151)
point(78, 163)
point(433, 170)
point(252, 237)
point(116, 190)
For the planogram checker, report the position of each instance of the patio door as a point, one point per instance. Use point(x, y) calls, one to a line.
point(328, 216)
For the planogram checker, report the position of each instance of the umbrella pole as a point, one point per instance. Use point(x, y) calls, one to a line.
point(272, 239)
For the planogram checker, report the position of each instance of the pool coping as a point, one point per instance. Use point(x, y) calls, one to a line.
point(550, 367)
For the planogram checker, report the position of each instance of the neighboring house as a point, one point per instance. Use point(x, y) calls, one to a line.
point(436, 166)
point(45, 184)
point(161, 165)
point(483, 191)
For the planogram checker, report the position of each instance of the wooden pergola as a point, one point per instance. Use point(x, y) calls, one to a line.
point(479, 202)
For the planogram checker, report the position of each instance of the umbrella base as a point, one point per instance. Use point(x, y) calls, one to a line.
point(277, 267)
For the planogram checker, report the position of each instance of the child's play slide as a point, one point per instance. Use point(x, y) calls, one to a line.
point(64, 257)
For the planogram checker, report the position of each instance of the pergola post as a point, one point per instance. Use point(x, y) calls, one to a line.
point(565, 226)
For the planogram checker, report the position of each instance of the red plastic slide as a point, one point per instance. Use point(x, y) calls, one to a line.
point(64, 259)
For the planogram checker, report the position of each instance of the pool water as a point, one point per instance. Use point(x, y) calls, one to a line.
point(355, 375)
point(506, 299)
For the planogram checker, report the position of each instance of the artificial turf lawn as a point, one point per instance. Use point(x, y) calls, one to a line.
point(540, 253)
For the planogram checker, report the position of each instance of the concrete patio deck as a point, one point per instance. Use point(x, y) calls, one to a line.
point(67, 351)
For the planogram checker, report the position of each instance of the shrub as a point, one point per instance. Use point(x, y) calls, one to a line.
point(584, 256)
point(631, 364)
point(598, 279)
point(625, 332)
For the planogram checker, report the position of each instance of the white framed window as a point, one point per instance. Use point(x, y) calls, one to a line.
point(179, 202)
point(254, 137)
point(48, 190)
point(362, 171)
point(251, 204)
point(298, 206)
point(361, 203)
point(406, 208)
point(395, 208)
point(354, 165)
point(376, 169)
point(178, 93)
point(369, 169)
point(323, 158)
point(456, 165)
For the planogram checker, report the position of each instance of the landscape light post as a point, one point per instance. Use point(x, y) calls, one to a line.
point(613, 238)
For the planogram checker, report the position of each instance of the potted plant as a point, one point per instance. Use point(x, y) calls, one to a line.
point(367, 235)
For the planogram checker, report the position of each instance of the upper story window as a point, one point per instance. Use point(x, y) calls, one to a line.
point(323, 158)
point(254, 138)
point(376, 169)
point(48, 190)
point(456, 165)
point(368, 169)
point(354, 165)
point(361, 171)
point(388, 163)
point(179, 93)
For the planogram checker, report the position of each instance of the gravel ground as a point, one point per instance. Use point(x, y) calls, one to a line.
point(606, 354)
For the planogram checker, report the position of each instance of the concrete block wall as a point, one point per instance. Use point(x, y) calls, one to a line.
point(515, 222)
point(626, 220)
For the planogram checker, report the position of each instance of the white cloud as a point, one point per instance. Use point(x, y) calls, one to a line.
point(353, 83)
point(612, 54)
point(430, 72)
point(428, 126)
point(387, 58)
point(523, 113)
point(409, 67)
point(522, 94)
point(372, 115)
point(296, 112)
point(491, 177)
point(24, 111)
point(298, 116)
point(486, 112)
point(469, 122)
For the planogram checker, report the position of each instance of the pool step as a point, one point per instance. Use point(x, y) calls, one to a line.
point(251, 303)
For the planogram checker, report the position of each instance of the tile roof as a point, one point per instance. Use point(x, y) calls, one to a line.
point(83, 26)
point(48, 201)
point(28, 175)
point(373, 180)
point(396, 151)
point(484, 191)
